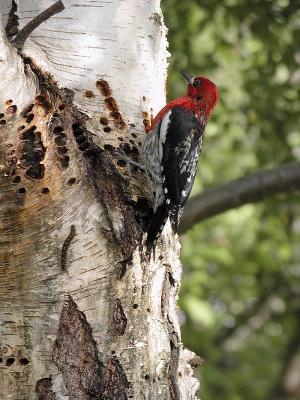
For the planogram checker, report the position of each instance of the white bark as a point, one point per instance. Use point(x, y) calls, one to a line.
point(83, 312)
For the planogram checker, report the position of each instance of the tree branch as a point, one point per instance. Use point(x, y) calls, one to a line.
point(248, 189)
point(24, 33)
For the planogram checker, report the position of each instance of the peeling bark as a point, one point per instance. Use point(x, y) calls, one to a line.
point(84, 314)
point(75, 354)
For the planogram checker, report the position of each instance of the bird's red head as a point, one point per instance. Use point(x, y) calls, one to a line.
point(203, 92)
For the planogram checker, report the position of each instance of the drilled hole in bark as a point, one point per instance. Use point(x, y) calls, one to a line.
point(8, 102)
point(60, 140)
point(75, 125)
point(121, 139)
point(80, 139)
point(36, 171)
point(17, 179)
point(131, 141)
point(27, 110)
point(104, 88)
point(84, 146)
point(45, 190)
point(147, 377)
point(29, 118)
point(107, 129)
point(21, 127)
point(125, 147)
point(2, 122)
point(89, 94)
point(139, 143)
point(61, 107)
point(64, 162)
point(22, 190)
point(135, 306)
point(55, 114)
point(90, 153)
point(121, 163)
point(1, 360)
point(71, 181)
point(111, 104)
point(104, 121)
point(24, 361)
point(62, 150)
point(134, 135)
point(1, 115)
point(132, 124)
point(10, 361)
point(78, 132)
point(11, 109)
point(108, 147)
point(58, 129)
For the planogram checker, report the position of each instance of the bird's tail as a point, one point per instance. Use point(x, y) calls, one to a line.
point(156, 225)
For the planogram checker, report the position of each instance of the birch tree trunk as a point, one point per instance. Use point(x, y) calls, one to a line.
point(84, 313)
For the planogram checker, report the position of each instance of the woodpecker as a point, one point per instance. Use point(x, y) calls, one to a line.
point(171, 151)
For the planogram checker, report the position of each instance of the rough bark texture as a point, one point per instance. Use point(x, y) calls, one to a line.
point(84, 313)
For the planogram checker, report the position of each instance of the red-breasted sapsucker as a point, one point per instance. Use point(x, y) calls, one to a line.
point(171, 151)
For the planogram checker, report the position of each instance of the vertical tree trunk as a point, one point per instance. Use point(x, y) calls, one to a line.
point(84, 313)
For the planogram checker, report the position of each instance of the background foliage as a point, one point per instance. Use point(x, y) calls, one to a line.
point(240, 295)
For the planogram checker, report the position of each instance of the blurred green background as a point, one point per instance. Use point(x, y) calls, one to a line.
point(240, 297)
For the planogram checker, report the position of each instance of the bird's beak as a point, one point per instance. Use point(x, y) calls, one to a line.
point(187, 77)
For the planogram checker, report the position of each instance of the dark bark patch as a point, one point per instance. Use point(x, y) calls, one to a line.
point(27, 110)
point(121, 269)
point(17, 179)
point(75, 355)
point(112, 192)
point(143, 212)
point(11, 109)
point(146, 121)
point(111, 104)
point(43, 389)
point(174, 361)
point(21, 191)
point(32, 152)
point(12, 26)
point(104, 88)
point(104, 121)
point(89, 94)
point(71, 181)
point(120, 320)
point(119, 122)
point(115, 381)
point(43, 106)
point(61, 148)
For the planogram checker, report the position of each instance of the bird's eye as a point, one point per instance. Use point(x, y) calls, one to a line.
point(197, 82)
